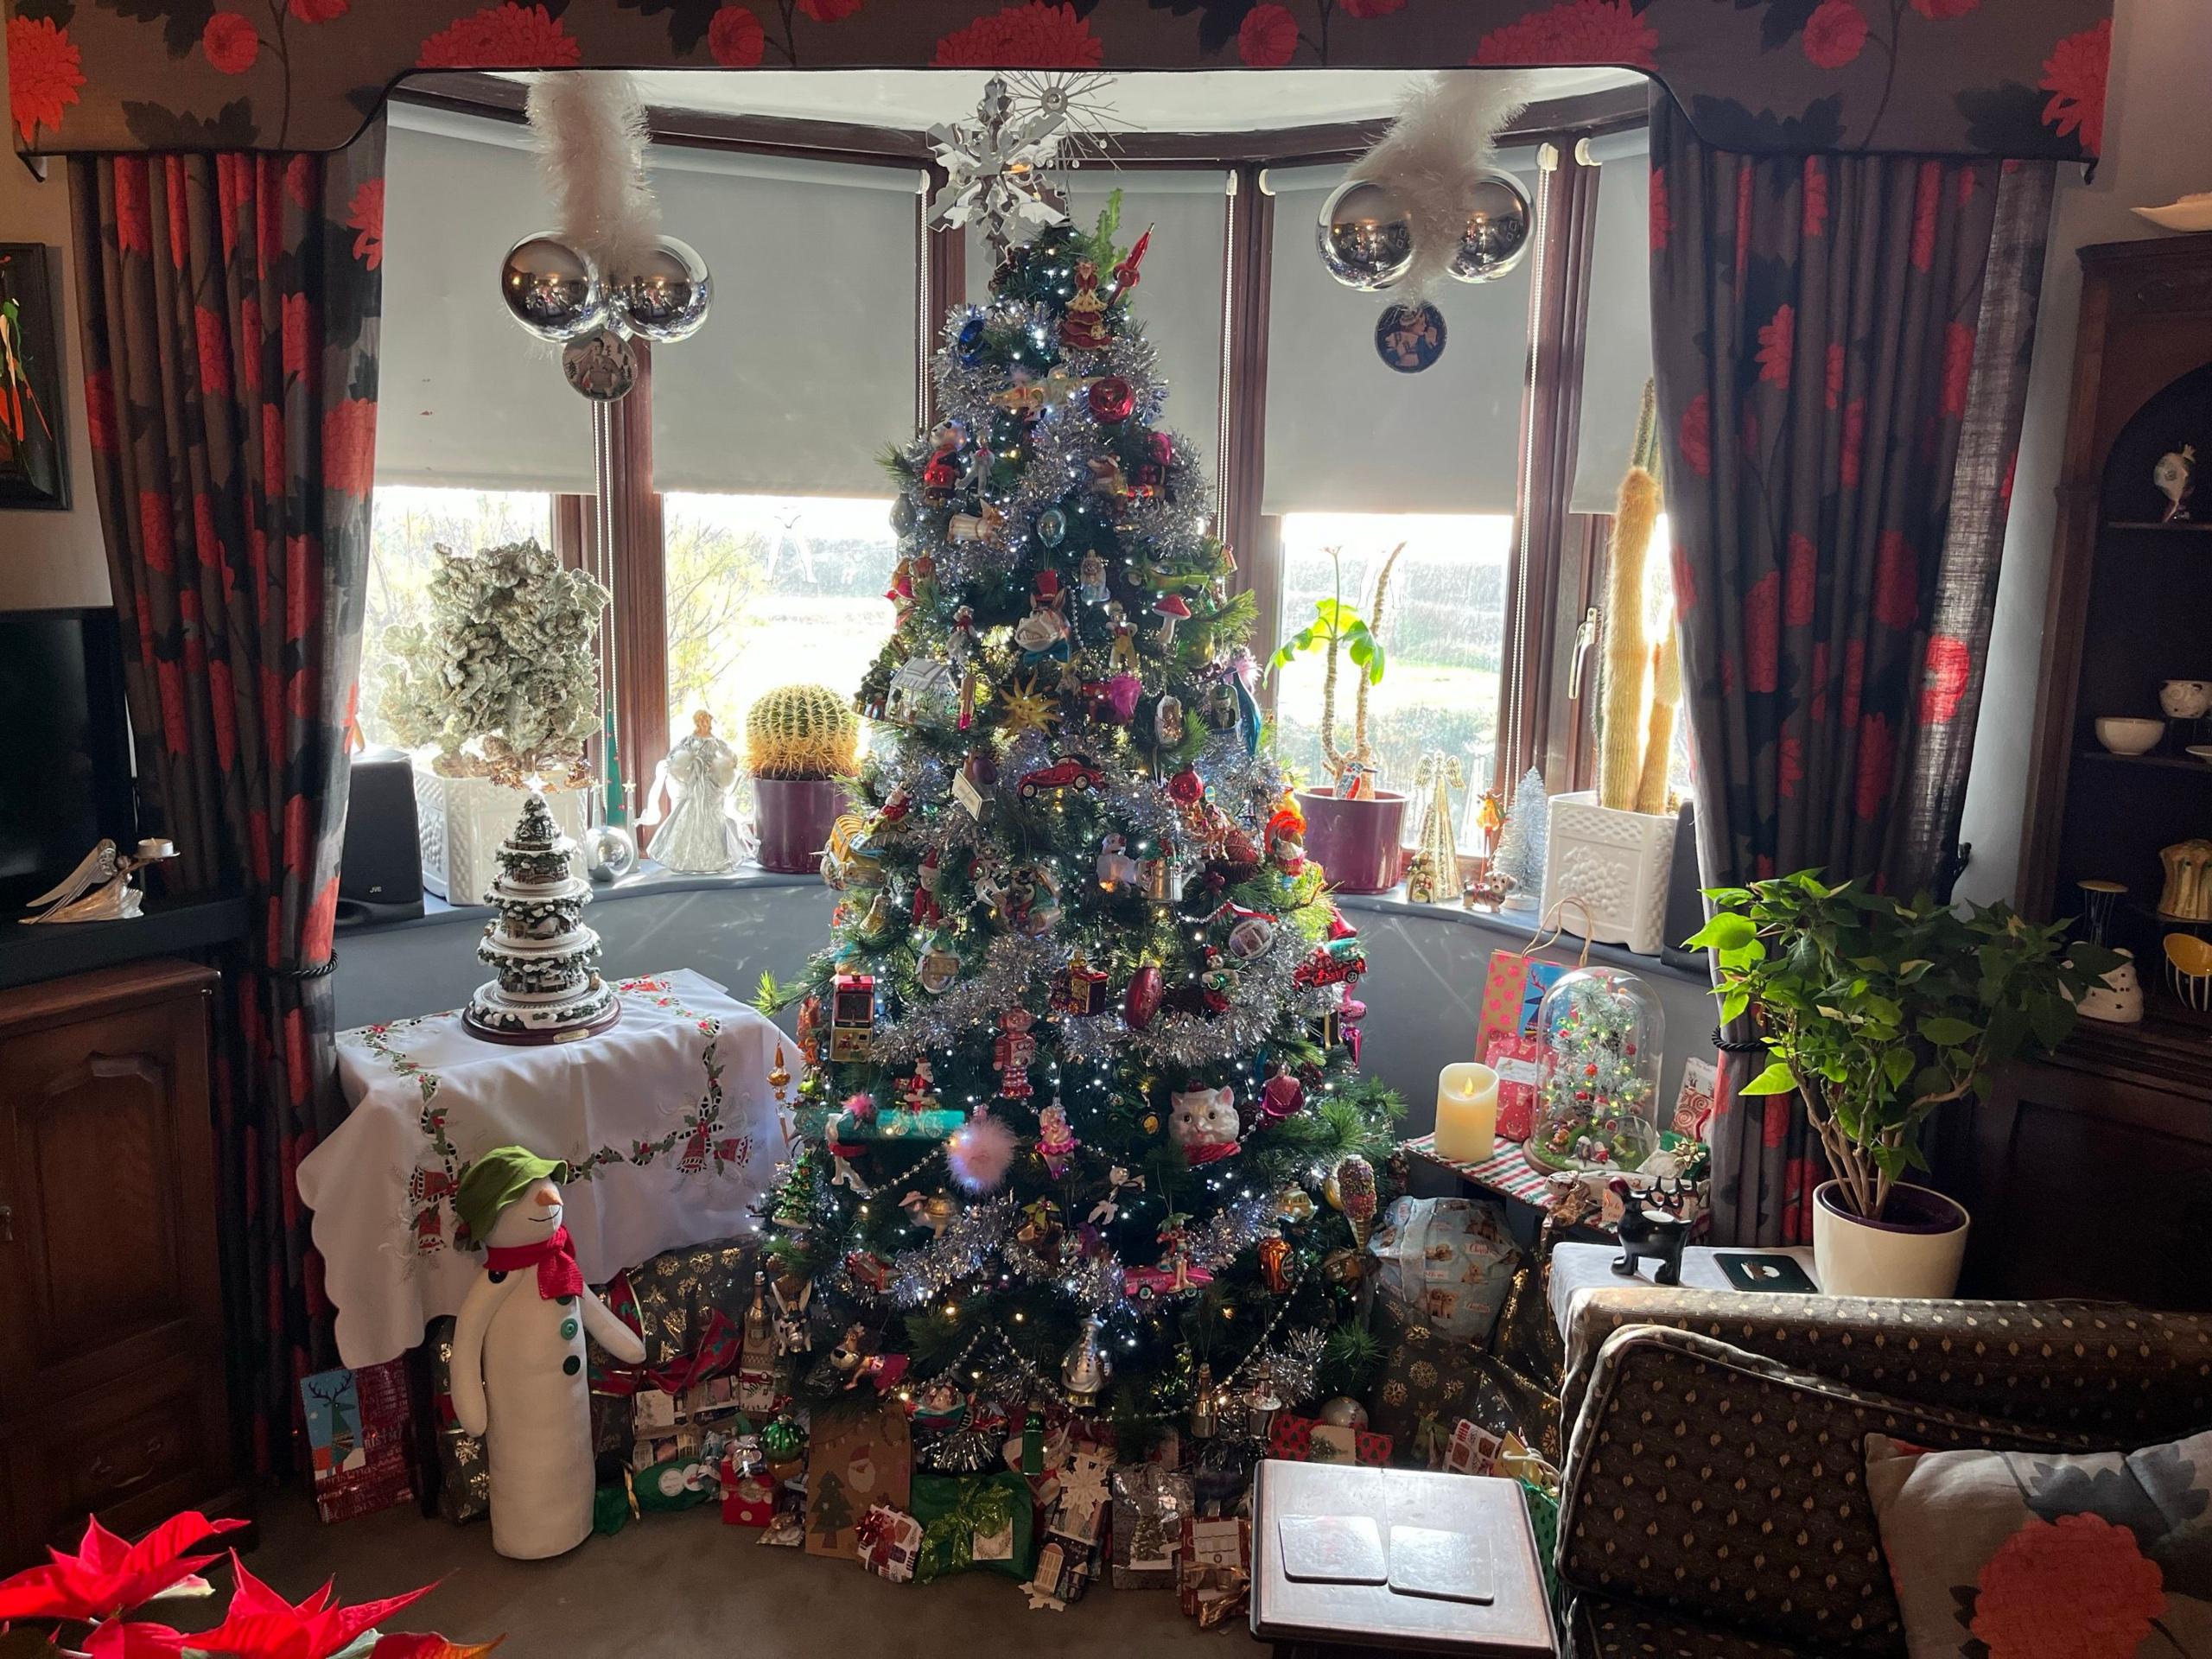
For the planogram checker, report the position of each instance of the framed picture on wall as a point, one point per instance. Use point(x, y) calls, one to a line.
point(34, 461)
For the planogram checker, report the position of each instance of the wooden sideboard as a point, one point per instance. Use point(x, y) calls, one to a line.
point(112, 1395)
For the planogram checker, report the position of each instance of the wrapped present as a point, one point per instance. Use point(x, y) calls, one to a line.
point(1307, 1439)
point(1515, 1056)
point(889, 1543)
point(858, 1458)
point(981, 1522)
point(1214, 1578)
point(464, 1478)
point(1446, 1262)
point(1151, 1502)
point(681, 1483)
point(748, 1496)
point(1430, 1381)
point(1513, 987)
point(359, 1432)
point(1064, 1572)
point(1472, 1450)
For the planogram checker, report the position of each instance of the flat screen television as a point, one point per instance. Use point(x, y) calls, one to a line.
point(64, 747)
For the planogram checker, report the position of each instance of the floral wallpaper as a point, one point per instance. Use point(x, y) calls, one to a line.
point(2018, 78)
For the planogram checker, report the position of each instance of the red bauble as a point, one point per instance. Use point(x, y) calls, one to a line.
point(1162, 448)
point(1142, 1001)
point(1112, 399)
point(1187, 788)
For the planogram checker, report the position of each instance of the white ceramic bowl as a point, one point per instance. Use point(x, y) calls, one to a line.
point(2124, 736)
point(2200, 751)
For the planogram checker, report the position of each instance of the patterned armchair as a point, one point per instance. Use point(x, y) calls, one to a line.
point(1714, 1503)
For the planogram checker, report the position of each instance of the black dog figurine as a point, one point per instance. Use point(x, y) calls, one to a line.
point(1648, 1232)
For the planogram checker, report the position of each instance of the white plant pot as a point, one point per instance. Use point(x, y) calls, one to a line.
point(1913, 1255)
point(1613, 866)
point(461, 821)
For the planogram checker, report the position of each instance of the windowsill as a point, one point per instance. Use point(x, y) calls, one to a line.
point(1518, 928)
point(1510, 927)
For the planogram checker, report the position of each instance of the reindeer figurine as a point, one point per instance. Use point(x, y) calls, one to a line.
point(1644, 1231)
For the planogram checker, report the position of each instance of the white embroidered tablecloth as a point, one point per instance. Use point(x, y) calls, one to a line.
point(668, 1122)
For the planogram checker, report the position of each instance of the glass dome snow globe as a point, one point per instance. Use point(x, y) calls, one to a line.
point(1601, 1034)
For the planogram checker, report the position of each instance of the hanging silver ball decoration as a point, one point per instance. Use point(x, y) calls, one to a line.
point(1497, 236)
point(1365, 238)
point(665, 297)
point(600, 365)
point(551, 289)
point(610, 853)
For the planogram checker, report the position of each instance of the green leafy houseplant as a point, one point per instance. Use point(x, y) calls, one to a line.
point(1876, 1013)
point(1337, 628)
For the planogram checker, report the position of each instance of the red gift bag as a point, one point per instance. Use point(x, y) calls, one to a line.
point(1514, 1058)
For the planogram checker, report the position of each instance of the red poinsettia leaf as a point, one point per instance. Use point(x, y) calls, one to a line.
point(348, 1623)
point(38, 1592)
point(280, 1635)
point(119, 1640)
point(253, 1597)
point(430, 1647)
point(160, 1553)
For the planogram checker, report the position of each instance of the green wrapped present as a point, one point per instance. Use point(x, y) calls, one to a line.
point(983, 1522)
point(1543, 1521)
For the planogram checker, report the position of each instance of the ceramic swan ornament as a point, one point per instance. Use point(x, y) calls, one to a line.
point(519, 1368)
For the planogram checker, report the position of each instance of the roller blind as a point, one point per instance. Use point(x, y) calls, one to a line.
point(1617, 353)
point(464, 398)
point(804, 371)
point(1346, 433)
point(1179, 300)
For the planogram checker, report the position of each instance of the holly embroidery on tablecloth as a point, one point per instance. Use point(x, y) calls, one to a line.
point(699, 1143)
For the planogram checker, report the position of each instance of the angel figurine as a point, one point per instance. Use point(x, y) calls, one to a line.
point(697, 834)
point(99, 889)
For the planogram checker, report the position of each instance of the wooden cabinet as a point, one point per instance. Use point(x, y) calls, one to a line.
point(112, 1386)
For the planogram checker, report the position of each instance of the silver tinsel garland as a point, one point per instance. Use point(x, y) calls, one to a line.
point(970, 1240)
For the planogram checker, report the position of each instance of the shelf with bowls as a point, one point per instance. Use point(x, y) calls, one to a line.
point(2171, 762)
point(2179, 527)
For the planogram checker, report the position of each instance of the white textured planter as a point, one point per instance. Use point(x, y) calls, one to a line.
point(1917, 1254)
point(1615, 864)
point(461, 821)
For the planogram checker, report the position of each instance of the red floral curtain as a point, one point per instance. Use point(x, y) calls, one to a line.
point(1842, 347)
point(229, 306)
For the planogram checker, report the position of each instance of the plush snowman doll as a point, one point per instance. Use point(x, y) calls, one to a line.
point(518, 1377)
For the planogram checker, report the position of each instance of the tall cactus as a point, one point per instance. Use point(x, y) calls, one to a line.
point(1659, 742)
point(801, 731)
point(1627, 654)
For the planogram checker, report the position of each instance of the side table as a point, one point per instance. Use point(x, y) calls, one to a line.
point(1578, 1270)
point(1338, 1616)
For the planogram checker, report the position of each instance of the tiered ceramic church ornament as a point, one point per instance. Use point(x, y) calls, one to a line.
point(547, 989)
point(520, 1373)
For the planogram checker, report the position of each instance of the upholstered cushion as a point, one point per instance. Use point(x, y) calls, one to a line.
point(2116, 1375)
point(1599, 1629)
point(1724, 1488)
point(2030, 1555)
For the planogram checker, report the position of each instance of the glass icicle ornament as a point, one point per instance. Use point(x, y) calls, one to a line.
point(1603, 1034)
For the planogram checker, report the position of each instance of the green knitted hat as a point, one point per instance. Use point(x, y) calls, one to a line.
point(496, 1180)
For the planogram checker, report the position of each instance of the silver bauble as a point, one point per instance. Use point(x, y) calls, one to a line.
point(1365, 239)
point(1497, 229)
point(600, 365)
point(665, 297)
point(1344, 1412)
point(610, 853)
point(551, 289)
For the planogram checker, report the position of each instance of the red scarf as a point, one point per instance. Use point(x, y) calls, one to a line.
point(555, 1258)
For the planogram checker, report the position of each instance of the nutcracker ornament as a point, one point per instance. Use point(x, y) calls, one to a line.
point(1014, 1052)
point(518, 1354)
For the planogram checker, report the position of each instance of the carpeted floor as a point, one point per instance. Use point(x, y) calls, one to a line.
point(679, 1586)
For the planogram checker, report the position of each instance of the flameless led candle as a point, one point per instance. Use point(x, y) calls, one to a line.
point(1466, 1113)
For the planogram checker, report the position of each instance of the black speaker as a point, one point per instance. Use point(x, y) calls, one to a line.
point(380, 866)
point(1685, 903)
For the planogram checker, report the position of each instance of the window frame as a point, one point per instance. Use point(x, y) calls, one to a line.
point(1558, 555)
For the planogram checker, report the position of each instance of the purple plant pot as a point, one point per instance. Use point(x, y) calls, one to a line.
point(794, 815)
point(1357, 842)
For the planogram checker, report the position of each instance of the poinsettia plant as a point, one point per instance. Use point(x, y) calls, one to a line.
point(1876, 1013)
point(82, 1600)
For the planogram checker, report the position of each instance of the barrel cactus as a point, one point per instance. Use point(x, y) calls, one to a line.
point(802, 731)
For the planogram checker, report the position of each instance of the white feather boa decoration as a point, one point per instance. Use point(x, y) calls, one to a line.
point(1441, 139)
point(589, 131)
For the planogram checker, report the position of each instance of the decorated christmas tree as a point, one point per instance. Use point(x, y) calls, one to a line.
point(1080, 1095)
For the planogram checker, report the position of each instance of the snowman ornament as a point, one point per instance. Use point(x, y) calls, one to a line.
point(518, 1367)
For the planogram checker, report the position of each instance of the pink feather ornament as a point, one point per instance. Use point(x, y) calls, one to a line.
point(980, 1152)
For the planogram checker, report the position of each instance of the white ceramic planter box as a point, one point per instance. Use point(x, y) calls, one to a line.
point(462, 821)
point(1616, 863)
